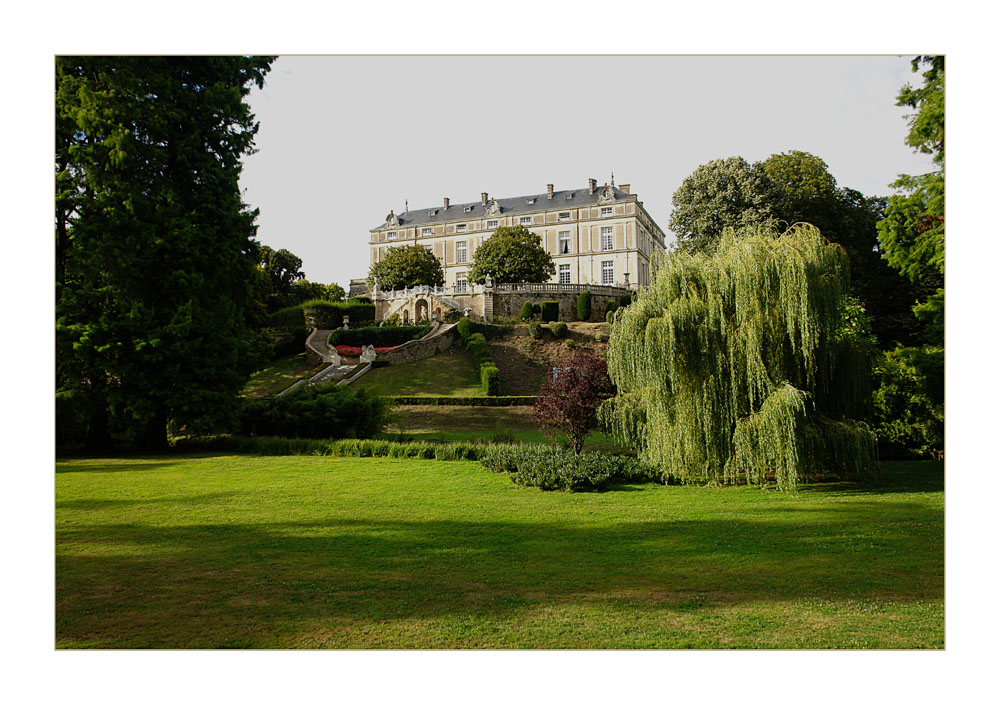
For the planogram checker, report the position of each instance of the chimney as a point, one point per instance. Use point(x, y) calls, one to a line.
point(548, 187)
point(591, 185)
point(624, 188)
point(446, 202)
point(485, 197)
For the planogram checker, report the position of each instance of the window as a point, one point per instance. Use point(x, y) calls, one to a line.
point(607, 238)
point(564, 242)
point(564, 274)
point(605, 212)
point(531, 201)
point(608, 273)
point(525, 220)
point(569, 196)
point(425, 232)
point(492, 223)
point(461, 286)
point(564, 216)
point(461, 252)
point(460, 228)
point(390, 235)
point(468, 209)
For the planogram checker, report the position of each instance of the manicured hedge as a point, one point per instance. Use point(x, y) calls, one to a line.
point(288, 341)
point(316, 411)
point(550, 311)
point(463, 401)
point(464, 328)
point(490, 330)
point(348, 447)
point(558, 329)
point(535, 330)
point(489, 376)
point(290, 317)
point(380, 337)
point(527, 311)
point(330, 314)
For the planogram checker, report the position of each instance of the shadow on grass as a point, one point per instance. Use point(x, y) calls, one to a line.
point(192, 585)
point(114, 467)
point(894, 477)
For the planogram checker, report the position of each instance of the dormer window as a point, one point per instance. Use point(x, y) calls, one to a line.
point(433, 213)
point(468, 209)
point(569, 196)
point(531, 201)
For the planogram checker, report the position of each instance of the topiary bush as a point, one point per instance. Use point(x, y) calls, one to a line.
point(527, 311)
point(550, 311)
point(570, 343)
point(536, 309)
point(535, 330)
point(609, 311)
point(489, 377)
point(464, 328)
point(583, 306)
point(625, 300)
point(558, 329)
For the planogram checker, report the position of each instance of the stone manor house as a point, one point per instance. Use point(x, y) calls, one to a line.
point(601, 239)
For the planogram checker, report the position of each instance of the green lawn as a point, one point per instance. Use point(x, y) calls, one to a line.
point(306, 552)
point(280, 375)
point(452, 373)
point(471, 423)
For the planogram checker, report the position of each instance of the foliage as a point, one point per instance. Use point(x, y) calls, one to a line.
point(568, 403)
point(464, 328)
point(157, 283)
point(738, 367)
point(569, 343)
point(912, 234)
point(317, 411)
point(345, 447)
point(724, 193)
point(550, 311)
point(555, 468)
point(536, 309)
point(330, 314)
point(288, 341)
point(512, 254)
point(535, 330)
point(379, 336)
point(490, 379)
point(558, 329)
point(909, 402)
point(624, 300)
point(583, 306)
point(405, 266)
point(611, 307)
point(463, 401)
point(289, 317)
point(527, 311)
point(283, 268)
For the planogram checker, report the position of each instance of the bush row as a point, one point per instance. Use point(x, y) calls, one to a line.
point(557, 468)
point(475, 343)
point(316, 411)
point(330, 314)
point(463, 401)
point(290, 340)
point(380, 337)
point(348, 447)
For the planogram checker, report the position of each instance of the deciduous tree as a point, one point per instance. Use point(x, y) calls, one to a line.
point(512, 254)
point(405, 266)
point(568, 403)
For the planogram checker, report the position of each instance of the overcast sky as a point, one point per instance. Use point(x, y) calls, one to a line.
point(345, 139)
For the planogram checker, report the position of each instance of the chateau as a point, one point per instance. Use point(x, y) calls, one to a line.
point(598, 235)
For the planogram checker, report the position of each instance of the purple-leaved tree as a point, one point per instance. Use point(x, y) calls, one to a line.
point(568, 403)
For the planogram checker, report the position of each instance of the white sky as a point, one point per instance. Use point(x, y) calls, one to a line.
point(344, 139)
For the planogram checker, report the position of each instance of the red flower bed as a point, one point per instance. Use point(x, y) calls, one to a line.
point(352, 351)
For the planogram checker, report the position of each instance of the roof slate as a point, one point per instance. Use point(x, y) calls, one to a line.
point(508, 206)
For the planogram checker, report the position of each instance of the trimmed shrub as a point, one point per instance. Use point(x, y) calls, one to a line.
point(625, 300)
point(527, 311)
point(558, 329)
point(464, 328)
point(550, 311)
point(569, 343)
point(535, 330)
point(583, 306)
point(463, 401)
point(349, 447)
point(288, 341)
point(452, 316)
point(610, 310)
point(392, 320)
point(489, 376)
point(320, 411)
point(556, 468)
point(380, 337)
point(290, 317)
point(330, 314)
point(490, 331)
point(536, 309)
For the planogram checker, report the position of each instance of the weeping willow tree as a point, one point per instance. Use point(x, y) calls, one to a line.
point(738, 365)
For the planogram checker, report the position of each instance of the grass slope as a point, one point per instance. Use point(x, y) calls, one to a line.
point(452, 373)
point(302, 552)
point(279, 375)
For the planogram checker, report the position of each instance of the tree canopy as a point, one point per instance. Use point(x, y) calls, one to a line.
point(912, 234)
point(156, 262)
point(738, 366)
point(568, 403)
point(512, 254)
point(724, 193)
point(404, 266)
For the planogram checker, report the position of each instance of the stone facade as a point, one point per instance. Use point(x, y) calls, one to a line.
point(600, 235)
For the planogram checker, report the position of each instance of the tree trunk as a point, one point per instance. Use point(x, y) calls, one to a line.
point(154, 433)
point(98, 434)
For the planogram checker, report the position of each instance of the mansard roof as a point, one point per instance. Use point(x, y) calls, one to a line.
point(508, 206)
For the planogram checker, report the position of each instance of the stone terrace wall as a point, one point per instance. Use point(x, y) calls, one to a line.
point(507, 304)
point(420, 349)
